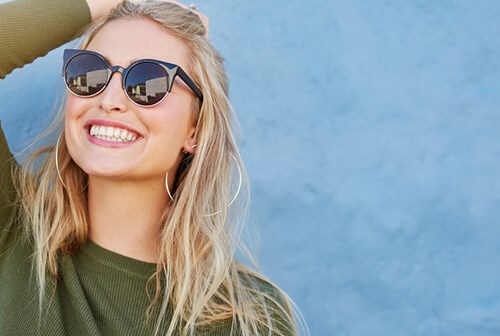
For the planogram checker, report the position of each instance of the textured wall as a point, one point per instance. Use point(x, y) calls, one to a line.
point(370, 132)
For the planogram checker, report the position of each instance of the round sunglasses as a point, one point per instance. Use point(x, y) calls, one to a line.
point(146, 82)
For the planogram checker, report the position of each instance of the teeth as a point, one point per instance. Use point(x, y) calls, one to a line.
point(112, 134)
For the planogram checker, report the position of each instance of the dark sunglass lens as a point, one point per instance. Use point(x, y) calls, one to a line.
point(86, 74)
point(146, 83)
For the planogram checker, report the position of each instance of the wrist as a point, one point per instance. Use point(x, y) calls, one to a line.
point(100, 8)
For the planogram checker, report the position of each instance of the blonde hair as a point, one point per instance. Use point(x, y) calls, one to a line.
point(203, 279)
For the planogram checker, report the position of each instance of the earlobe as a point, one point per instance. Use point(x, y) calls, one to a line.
point(190, 146)
point(191, 142)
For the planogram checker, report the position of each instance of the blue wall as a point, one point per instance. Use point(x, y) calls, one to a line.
point(370, 130)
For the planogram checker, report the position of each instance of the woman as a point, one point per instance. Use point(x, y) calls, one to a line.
point(133, 216)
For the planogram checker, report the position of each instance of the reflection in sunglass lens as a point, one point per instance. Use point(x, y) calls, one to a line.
point(146, 83)
point(86, 74)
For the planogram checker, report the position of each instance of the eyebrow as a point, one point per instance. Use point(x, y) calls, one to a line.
point(135, 60)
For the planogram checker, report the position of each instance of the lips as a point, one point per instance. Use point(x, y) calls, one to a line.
point(114, 134)
point(110, 132)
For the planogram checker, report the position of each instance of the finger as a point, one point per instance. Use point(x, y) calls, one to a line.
point(204, 19)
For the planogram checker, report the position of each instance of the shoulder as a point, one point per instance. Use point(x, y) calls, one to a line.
point(272, 302)
point(8, 195)
point(260, 284)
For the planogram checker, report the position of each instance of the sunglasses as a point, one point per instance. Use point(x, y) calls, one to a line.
point(146, 82)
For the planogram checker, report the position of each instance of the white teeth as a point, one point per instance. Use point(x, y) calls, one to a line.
point(112, 134)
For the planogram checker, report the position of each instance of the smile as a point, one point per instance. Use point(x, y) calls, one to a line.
point(112, 134)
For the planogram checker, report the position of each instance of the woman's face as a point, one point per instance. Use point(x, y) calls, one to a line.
point(161, 132)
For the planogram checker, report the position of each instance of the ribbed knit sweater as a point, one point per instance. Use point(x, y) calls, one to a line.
point(98, 292)
point(31, 28)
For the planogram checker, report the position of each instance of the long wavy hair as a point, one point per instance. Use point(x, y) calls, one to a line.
point(200, 235)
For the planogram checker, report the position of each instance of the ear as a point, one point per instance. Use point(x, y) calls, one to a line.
point(190, 143)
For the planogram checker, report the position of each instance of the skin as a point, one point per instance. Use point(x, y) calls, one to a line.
point(126, 191)
point(99, 8)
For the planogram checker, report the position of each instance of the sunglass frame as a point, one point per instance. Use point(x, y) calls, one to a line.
point(172, 71)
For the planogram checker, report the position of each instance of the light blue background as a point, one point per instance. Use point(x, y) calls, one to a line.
point(370, 130)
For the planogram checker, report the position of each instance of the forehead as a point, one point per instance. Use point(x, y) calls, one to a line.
point(124, 41)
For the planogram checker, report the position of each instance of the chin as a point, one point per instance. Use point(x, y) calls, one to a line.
point(106, 170)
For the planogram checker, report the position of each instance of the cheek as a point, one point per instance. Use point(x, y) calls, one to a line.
point(163, 135)
point(168, 131)
point(171, 122)
point(71, 115)
point(72, 109)
point(72, 128)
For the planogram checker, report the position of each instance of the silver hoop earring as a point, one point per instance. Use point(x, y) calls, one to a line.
point(240, 181)
point(168, 189)
point(58, 170)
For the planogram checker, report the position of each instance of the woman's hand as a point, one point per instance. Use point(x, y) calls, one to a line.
point(204, 19)
point(100, 8)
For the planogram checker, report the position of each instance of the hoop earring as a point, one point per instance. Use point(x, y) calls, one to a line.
point(59, 172)
point(168, 189)
point(240, 181)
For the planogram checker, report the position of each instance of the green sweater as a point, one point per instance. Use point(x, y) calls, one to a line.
point(99, 292)
point(31, 28)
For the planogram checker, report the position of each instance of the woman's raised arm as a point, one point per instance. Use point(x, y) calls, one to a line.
point(31, 28)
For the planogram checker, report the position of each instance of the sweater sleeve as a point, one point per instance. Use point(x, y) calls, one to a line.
point(7, 190)
point(31, 28)
point(278, 307)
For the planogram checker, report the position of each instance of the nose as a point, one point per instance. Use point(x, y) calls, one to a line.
point(113, 98)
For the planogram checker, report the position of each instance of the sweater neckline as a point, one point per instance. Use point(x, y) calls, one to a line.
point(117, 261)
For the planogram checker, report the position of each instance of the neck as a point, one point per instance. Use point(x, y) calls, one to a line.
point(124, 216)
